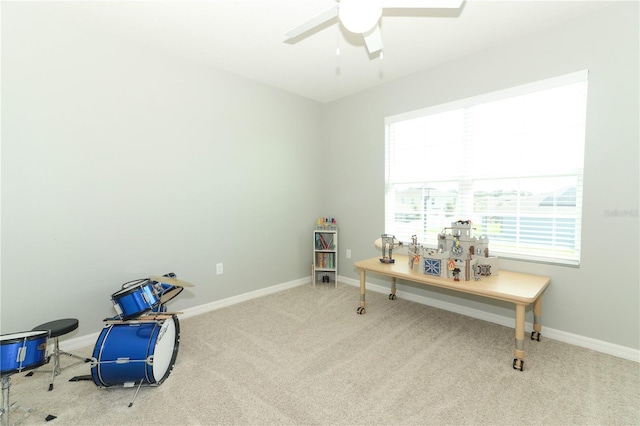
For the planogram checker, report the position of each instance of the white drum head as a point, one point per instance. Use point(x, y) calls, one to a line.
point(130, 287)
point(164, 349)
point(25, 334)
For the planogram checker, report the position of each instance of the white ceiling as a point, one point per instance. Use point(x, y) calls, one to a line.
point(246, 36)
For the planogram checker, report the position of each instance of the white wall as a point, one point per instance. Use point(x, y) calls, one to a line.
point(119, 162)
point(600, 300)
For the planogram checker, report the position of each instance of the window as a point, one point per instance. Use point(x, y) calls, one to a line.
point(509, 161)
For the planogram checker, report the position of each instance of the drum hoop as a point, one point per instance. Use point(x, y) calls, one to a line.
point(139, 280)
point(132, 288)
point(99, 347)
point(174, 354)
point(26, 335)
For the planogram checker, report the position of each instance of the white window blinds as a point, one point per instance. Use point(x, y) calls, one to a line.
point(509, 161)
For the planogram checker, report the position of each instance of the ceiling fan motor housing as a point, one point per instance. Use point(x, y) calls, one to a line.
point(359, 16)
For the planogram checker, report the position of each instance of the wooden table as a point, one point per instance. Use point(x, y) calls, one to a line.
point(515, 287)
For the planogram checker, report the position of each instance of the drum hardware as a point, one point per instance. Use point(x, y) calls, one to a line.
point(85, 377)
point(135, 394)
point(148, 318)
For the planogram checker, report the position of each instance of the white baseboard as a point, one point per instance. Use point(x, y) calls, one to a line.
point(555, 334)
point(79, 342)
point(212, 306)
point(562, 336)
point(90, 339)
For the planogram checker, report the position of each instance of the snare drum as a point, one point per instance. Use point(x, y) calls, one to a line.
point(135, 298)
point(136, 352)
point(22, 351)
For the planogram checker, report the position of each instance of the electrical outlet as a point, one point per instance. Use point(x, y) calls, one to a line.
point(348, 253)
point(219, 269)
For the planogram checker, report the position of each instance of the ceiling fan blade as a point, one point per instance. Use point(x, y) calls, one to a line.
point(319, 19)
point(421, 4)
point(373, 39)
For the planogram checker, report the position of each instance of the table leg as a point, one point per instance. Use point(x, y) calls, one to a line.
point(537, 314)
point(518, 353)
point(392, 296)
point(363, 290)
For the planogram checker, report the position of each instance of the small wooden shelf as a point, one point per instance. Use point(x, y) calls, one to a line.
point(325, 256)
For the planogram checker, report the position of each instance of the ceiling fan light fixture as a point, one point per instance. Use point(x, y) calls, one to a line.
point(359, 16)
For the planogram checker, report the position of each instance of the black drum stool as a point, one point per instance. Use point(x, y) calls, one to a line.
point(59, 328)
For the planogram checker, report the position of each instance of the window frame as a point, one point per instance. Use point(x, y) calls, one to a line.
point(561, 253)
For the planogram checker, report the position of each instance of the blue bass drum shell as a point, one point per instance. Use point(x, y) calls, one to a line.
point(131, 353)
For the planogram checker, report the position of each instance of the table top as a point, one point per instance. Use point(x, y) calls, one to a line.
point(510, 286)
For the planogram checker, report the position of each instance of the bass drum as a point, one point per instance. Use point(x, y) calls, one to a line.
point(131, 353)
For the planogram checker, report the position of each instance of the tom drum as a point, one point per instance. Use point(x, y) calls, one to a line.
point(22, 351)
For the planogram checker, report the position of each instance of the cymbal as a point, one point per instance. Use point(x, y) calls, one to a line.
point(166, 296)
point(173, 281)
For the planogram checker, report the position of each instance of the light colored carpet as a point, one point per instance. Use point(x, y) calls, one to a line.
point(304, 357)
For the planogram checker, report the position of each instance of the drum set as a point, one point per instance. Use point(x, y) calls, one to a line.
point(139, 346)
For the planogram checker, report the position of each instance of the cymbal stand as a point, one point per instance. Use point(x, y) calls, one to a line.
point(6, 384)
point(6, 407)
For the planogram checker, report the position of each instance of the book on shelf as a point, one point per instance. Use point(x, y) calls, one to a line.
point(325, 260)
point(324, 243)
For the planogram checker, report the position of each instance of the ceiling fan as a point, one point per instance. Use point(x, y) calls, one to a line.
point(363, 16)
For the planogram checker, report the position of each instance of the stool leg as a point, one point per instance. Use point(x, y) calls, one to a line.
point(6, 383)
point(57, 367)
point(56, 362)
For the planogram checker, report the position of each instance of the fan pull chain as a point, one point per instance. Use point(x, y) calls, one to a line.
point(337, 45)
point(337, 36)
